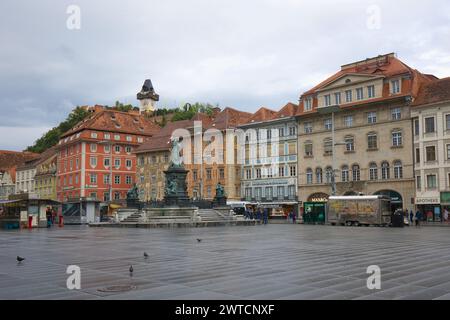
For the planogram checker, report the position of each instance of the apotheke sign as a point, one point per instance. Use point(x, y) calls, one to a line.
point(428, 200)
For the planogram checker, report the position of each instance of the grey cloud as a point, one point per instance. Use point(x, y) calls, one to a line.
point(244, 54)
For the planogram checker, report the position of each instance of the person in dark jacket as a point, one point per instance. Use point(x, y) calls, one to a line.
point(411, 217)
point(418, 218)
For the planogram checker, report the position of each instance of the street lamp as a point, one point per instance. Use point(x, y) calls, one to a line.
point(325, 111)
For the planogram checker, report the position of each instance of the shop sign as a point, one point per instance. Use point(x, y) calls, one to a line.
point(428, 201)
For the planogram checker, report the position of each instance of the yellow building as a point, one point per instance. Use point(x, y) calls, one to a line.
point(45, 177)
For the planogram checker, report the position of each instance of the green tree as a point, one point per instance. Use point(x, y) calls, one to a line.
point(52, 137)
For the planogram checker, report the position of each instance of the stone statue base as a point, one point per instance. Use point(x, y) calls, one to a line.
point(220, 202)
point(176, 189)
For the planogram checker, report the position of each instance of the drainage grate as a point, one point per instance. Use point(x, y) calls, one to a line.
point(117, 288)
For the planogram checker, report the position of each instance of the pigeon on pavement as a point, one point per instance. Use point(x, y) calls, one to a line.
point(145, 255)
point(20, 259)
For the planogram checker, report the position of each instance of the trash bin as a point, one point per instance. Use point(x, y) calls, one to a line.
point(397, 220)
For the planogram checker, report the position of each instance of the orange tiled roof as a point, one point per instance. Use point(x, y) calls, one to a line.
point(116, 121)
point(263, 114)
point(384, 66)
point(289, 110)
point(433, 92)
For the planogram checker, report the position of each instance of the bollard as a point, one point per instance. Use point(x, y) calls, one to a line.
point(30, 222)
point(61, 221)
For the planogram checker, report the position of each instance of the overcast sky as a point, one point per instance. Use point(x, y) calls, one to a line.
point(243, 54)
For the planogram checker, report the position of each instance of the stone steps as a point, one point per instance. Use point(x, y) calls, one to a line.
point(211, 215)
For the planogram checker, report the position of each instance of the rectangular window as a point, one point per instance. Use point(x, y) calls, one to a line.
point(419, 182)
point(349, 144)
point(94, 135)
point(328, 124)
point(371, 91)
point(248, 174)
point(128, 149)
point(93, 147)
point(397, 139)
point(128, 180)
point(416, 127)
point(107, 136)
point(431, 153)
point(348, 121)
point(93, 178)
point(117, 149)
point(280, 192)
point(106, 179)
point(447, 122)
point(328, 147)
point(448, 152)
point(194, 175)
point(281, 171)
point(93, 161)
point(117, 137)
point(372, 117)
point(395, 86)
point(117, 179)
point(128, 163)
point(281, 132)
point(337, 98)
point(129, 138)
point(418, 155)
point(372, 142)
point(396, 114)
point(348, 96)
point(308, 149)
point(117, 163)
point(359, 94)
point(431, 181)
point(308, 127)
point(292, 131)
point(327, 100)
point(221, 173)
point(429, 125)
point(293, 171)
point(107, 162)
point(308, 104)
point(258, 173)
point(208, 174)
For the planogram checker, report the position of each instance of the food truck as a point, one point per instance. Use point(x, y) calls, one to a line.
point(359, 210)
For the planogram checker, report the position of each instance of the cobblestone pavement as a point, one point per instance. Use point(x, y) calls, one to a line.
point(257, 262)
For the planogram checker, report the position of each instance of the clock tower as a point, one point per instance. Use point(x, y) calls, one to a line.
point(147, 97)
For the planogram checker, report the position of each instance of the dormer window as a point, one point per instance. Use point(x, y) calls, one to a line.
point(371, 91)
point(308, 104)
point(395, 86)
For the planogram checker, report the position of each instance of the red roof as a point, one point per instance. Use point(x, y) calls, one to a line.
point(116, 121)
point(433, 92)
point(263, 114)
point(385, 66)
point(10, 160)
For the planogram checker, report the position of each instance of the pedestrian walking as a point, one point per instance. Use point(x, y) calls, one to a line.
point(418, 218)
point(294, 218)
point(411, 217)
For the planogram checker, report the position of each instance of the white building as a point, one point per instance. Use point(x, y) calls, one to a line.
point(25, 177)
point(431, 128)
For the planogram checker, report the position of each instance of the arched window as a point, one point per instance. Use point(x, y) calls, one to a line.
point(356, 173)
point(373, 171)
point(309, 176)
point(345, 175)
point(398, 170)
point(319, 175)
point(385, 171)
point(329, 174)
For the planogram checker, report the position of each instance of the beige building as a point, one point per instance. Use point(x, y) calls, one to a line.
point(153, 157)
point(431, 126)
point(370, 101)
